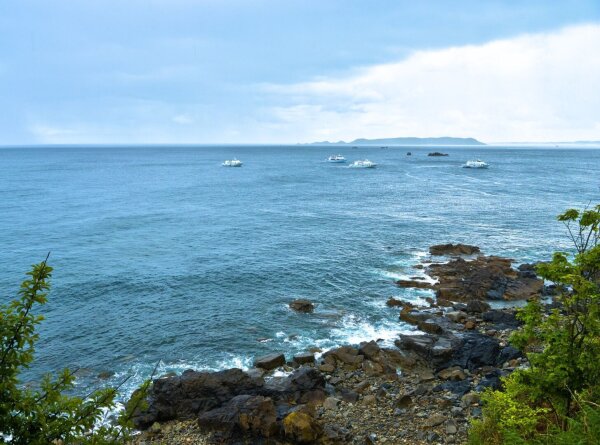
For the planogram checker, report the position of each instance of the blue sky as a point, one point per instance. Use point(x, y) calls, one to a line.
point(209, 71)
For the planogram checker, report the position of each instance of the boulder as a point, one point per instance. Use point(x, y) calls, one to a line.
point(370, 350)
point(255, 415)
point(477, 307)
point(301, 428)
point(453, 249)
point(270, 361)
point(304, 358)
point(302, 305)
point(193, 392)
point(502, 318)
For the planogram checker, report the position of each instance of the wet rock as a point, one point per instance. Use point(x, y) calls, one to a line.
point(453, 249)
point(393, 302)
point(302, 305)
point(419, 284)
point(304, 358)
point(270, 361)
point(414, 316)
point(301, 428)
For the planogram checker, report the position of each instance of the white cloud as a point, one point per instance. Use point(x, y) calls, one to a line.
point(534, 87)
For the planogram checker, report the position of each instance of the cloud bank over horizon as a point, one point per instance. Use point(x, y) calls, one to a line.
point(540, 87)
point(107, 71)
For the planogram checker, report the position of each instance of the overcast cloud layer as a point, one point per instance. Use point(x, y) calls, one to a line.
point(267, 71)
point(538, 87)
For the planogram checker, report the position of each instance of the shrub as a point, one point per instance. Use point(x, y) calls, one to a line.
point(46, 414)
point(555, 398)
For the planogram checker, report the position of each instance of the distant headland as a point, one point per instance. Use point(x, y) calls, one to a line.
point(406, 141)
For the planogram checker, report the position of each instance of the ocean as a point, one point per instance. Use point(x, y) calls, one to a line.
point(162, 255)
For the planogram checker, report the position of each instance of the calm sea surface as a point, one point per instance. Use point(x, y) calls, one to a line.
point(162, 254)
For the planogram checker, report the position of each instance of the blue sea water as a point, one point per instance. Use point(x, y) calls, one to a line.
point(160, 254)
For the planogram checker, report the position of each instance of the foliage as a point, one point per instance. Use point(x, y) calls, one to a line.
point(556, 396)
point(46, 414)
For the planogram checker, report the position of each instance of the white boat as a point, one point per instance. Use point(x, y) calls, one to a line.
point(363, 164)
point(336, 158)
point(232, 163)
point(477, 163)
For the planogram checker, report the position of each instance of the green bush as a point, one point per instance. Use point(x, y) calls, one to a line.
point(554, 401)
point(46, 414)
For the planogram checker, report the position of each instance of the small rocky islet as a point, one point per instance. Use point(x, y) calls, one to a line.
point(422, 391)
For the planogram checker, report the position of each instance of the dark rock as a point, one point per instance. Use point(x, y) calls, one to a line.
point(270, 361)
point(335, 435)
point(414, 316)
point(370, 350)
point(502, 319)
point(185, 396)
point(430, 327)
point(459, 387)
point(476, 350)
point(453, 249)
point(243, 414)
point(349, 396)
point(437, 153)
point(304, 358)
point(404, 401)
point(484, 277)
point(419, 284)
point(509, 353)
point(302, 305)
point(393, 302)
point(477, 307)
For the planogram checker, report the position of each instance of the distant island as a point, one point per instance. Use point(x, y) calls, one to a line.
point(406, 141)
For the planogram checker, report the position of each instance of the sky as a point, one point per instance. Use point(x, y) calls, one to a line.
point(275, 71)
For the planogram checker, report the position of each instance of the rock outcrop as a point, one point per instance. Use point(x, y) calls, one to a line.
point(485, 277)
point(302, 305)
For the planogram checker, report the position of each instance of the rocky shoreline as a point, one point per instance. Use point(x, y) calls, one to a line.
point(422, 391)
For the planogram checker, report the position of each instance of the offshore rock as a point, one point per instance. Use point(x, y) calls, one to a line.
point(453, 249)
point(302, 305)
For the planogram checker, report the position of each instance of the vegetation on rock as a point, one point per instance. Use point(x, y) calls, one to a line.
point(556, 399)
